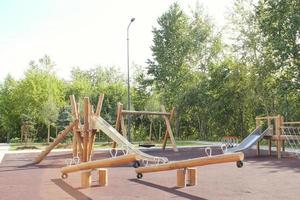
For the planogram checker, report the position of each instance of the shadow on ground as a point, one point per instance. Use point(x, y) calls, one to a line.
point(173, 190)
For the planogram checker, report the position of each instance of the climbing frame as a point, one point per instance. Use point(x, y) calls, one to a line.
point(83, 136)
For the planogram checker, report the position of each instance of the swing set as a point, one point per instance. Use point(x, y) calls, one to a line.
point(167, 116)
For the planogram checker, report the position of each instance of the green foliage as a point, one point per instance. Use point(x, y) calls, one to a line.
point(218, 86)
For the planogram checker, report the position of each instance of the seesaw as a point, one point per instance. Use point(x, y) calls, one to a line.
point(87, 167)
point(108, 162)
point(186, 175)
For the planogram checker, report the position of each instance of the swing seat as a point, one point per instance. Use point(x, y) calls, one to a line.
point(147, 145)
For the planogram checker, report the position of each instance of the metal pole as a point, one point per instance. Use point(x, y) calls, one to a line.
point(128, 81)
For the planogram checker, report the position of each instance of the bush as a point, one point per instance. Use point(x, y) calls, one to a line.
point(15, 140)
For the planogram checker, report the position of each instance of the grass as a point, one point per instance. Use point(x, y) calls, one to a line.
point(20, 146)
point(97, 145)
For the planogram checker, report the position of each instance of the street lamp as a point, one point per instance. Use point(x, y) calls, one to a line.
point(128, 81)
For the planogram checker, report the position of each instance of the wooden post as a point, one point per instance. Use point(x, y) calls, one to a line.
point(86, 179)
point(79, 144)
point(86, 128)
point(270, 145)
point(103, 177)
point(181, 177)
point(191, 176)
point(118, 121)
point(169, 130)
point(257, 148)
point(74, 143)
point(166, 136)
point(91, 143)
point(123, 128)
point(278, 141)
point(99, 105)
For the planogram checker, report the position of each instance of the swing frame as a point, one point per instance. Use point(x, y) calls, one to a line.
point(167, 116)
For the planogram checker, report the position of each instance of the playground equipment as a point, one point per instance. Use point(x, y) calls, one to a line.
point(279, 131)
point(291, 132)
point(84, 135)
point(249, 141)
point(167, 116)
point(230, 141)
point(108, 162)
point(100, 124)
point(186, 175)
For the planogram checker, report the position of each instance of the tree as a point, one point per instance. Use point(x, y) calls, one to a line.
point(279, 22)
point(49, 113)
point(33, 93)
point(170, 51)
point(9, 117)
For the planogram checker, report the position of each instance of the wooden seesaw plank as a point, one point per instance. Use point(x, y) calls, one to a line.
point(209, 160)
point(108, 162)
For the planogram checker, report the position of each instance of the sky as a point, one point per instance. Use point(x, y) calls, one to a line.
point(84, 33)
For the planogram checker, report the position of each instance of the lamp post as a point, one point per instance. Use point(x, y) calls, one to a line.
point(128, 81)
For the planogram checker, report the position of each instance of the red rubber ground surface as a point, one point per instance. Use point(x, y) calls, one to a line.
point(260, 178)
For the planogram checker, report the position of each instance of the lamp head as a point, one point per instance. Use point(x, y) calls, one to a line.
point(132, 19)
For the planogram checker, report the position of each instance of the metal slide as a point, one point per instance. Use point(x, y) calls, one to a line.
point(249, 141)
point(112, 133)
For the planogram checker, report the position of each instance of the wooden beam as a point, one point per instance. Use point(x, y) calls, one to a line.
point(108, 162)
point(58, 139)
point(270, 146)
point(91, 143)
point(291, 123)
point(126, 112)
point(166, 136)
point(86, 127)
point(195, 162)
point(74, 143)
point(169, 130)
point(74, 107)
point(123, 128)
point(266, 117)
point(79, 144)
point(257, 148)
point(118, 121)
point(278, 133)
point(99, 105)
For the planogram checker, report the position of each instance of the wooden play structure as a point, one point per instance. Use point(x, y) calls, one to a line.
point(86, 168)
point(279, 132)
point(186, 173)
point(83, 143)
point(83, 135)
point(167, 116)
